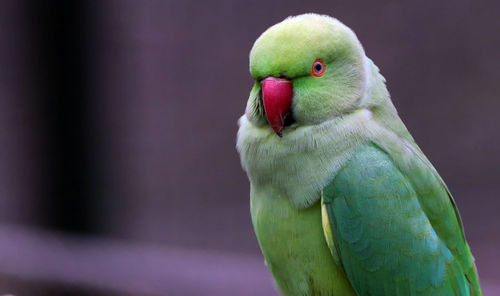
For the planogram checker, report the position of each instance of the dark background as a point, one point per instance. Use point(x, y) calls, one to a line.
point(119, 172)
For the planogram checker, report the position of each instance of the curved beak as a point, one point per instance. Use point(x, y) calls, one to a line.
point(277, 96)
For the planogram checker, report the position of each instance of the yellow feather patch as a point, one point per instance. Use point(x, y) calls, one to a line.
point(328, 232)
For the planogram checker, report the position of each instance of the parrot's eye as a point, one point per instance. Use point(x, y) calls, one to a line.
point(318, 68)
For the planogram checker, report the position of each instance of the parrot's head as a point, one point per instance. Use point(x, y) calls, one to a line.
point(307, 69)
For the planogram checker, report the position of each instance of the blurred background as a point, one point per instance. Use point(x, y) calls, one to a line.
point(119, 174)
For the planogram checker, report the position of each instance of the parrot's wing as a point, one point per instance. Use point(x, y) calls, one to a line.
point(396, 231)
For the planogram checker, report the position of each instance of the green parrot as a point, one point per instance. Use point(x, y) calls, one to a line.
point(343, 201)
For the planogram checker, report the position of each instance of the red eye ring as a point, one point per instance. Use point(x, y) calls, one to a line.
point(318, 68)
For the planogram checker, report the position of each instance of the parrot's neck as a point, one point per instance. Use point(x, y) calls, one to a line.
point(301, 163)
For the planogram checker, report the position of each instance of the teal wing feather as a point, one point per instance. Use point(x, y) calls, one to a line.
point(395, 228)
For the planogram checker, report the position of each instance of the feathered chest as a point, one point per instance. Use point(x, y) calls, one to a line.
point(304, 160)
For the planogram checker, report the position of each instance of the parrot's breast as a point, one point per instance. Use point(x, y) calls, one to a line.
point(295, 248)
point(305, 159)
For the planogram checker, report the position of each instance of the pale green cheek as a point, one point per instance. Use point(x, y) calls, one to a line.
point(318, 99)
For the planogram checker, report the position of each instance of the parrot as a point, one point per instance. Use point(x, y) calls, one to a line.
point(342, 200)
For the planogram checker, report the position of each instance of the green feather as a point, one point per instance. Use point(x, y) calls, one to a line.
point(387, 243)
point(387, 224)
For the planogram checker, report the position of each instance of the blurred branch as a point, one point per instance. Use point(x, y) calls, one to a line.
point(128, 268)
point(146, 269)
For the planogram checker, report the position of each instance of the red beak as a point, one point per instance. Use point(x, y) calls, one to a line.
point(277, 96)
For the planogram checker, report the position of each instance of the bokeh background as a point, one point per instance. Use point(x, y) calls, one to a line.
point(118, 170)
